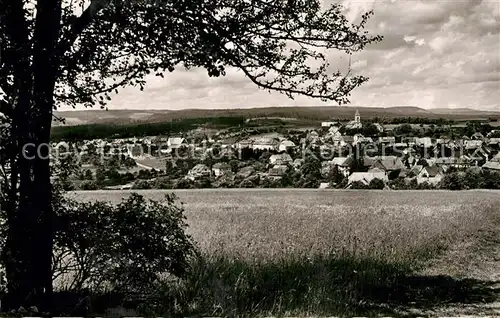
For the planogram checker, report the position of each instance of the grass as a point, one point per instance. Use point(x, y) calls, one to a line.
point(302, 252)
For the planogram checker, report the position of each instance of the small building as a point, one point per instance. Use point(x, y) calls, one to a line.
point(286, 145)
point(199, 171)
point(176, 142)
point(494, 142)
point(447, 162)
point(280, 159)
point(388, 163)
point(278, 170)
point(221, 168)
point(246, 172)
point(343, 164)
point(425, 142)
point(366, 177)
point(473, 144)
point(244, 144)
point(430, 174)
point(477, 136)
point(264, 144)
point(328, 124)
point(324, 185)
point(492, 166)
point(379, 127)
point(387, 140)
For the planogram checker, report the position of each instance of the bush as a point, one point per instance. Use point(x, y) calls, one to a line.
point(123, 248)
point(377, 184)
point(88, 185)
point(358, 185)
point(163, 183)
point(184, 183)
point(141, 185)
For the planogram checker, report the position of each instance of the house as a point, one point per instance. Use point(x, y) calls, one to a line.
point(347, 140)
point(176, 142)
point(329, 124)
point(264, 144)
point(333, 129)
point(280, 159)
point(446, 162)
point(338, 140)
point(473, 144)
point(324, 185)
point(443, 141)
point(379, 127)
point(366, 177)
point(286, 145)
point(278, 170)
point(244, 144)
point(199, 171)
point(148, 140)
point(228, 152)
point(492, 166)
point(246, 172)
point(480, 155)
point(227, 143)
point(357, 137)
point(221, 168)
point(493, 132)
point(387, 140)
point(360, 139)
point(414, 171)
point(477, 136)
point(313, 136)
point(425, 142)
point(494, 142)
point(430, 174)
point(388, 163)
point(343, 164)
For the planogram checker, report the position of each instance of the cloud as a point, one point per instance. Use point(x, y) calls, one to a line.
point(434, 54)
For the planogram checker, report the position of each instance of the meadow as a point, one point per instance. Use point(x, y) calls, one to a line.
point(312, 252)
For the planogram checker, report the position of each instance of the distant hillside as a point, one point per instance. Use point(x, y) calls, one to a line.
point(94, 116)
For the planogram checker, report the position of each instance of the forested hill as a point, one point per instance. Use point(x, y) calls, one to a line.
point(97, 116)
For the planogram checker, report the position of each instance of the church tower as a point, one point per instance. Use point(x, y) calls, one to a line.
point(357, 117)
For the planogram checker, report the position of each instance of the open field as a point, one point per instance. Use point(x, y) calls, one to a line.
point(310, 252)
point(388, 225)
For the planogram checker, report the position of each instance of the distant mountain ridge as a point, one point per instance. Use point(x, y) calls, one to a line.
point(131, 116)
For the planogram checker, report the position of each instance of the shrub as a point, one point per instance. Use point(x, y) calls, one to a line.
point(184, 183)
point(123, 248)
point(141, 184)
point(88, 185)
point(377, 184)
point(358, 185)
point(163, 183)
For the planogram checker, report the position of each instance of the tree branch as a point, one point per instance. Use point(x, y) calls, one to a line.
point(81, 23)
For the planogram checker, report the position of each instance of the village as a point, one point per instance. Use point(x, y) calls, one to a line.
point(354, 154)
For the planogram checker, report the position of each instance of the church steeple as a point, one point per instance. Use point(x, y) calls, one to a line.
point(357, 117)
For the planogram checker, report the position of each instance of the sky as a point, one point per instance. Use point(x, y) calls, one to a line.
point(435, 54)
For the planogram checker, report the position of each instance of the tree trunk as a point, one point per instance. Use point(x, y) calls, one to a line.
point(30, 233)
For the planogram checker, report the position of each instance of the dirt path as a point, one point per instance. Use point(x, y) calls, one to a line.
point(474, 270)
